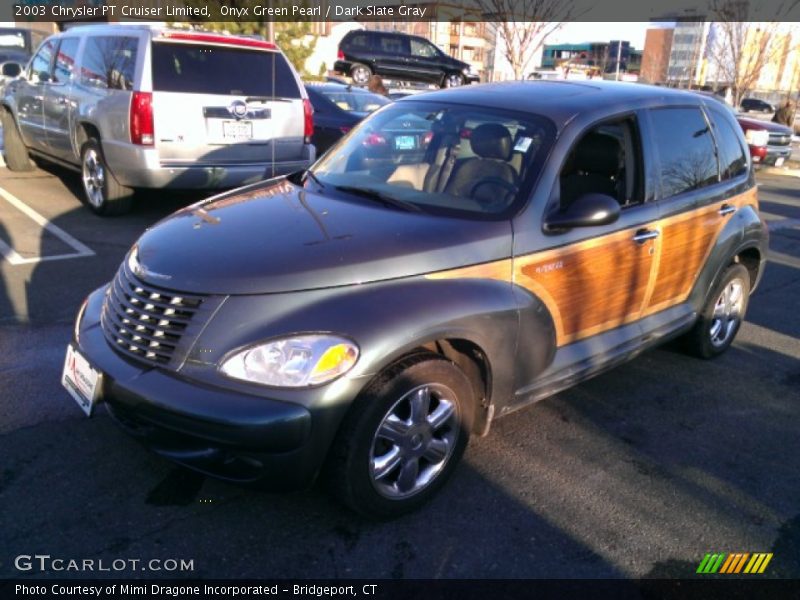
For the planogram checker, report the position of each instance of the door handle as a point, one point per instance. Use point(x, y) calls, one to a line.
point(645, 234)
point(727, 209)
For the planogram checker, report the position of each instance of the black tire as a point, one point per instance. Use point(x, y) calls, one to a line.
point(452, 80)
point(360, 73)
point(103, 194)
point(14, 149)
point(350, 469)
point(701, 340)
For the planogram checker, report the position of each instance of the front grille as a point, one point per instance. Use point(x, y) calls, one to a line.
point(779, 139)
point(145, 322)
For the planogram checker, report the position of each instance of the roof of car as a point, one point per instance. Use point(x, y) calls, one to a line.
point(561, 100)
point(176, 35)
point(335, 87)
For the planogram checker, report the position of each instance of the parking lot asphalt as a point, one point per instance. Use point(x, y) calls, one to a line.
point(636, 473)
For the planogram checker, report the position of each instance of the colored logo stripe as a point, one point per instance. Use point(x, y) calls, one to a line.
point(734, 563)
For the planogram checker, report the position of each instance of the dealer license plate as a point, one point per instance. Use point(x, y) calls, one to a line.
point(237, 131)
point(80, 380)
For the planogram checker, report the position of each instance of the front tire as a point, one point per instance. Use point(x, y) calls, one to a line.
point(722, 315)
point(402, 438)
point(452, 80)
point(104, 195)
point(14, 149)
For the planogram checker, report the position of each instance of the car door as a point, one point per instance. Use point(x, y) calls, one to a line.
point(58, 101)
point(30, 96)
point(392, 56)
point(691, 214)
point(597, 278)
point(425, 60)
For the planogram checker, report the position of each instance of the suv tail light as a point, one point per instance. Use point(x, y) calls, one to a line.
point(141, 119)
point(340, 55)
point(308, 116)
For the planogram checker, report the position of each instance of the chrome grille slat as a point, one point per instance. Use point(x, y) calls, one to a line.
point(144, 322)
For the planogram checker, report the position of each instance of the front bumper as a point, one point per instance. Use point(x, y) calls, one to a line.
point(226, 434)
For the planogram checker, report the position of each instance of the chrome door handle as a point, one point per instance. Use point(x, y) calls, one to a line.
point(727, 209)
point(645, 234)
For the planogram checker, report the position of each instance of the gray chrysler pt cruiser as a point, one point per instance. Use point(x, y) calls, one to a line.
point(457, 256)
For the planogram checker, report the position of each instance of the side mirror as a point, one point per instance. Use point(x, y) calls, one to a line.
point(43, 76)
point(11, 69)
point(589, 210)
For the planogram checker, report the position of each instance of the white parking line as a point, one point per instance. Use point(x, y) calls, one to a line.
point(14, 258)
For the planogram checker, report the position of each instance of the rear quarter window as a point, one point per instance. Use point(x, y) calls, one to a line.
point(359, 41)
point(207, 69)
point(686, 150)
point(732, 157)
point(109, 62)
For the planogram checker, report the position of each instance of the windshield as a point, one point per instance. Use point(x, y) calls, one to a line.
point(362, 102)
point(441, 158)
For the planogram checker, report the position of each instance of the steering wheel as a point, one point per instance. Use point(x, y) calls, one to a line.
point(494, 201)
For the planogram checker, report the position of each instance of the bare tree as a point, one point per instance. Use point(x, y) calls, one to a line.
point(739, 50)
point(522, 26)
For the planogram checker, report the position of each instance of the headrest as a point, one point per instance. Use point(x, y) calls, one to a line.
point(491, 140)
point(597, 153)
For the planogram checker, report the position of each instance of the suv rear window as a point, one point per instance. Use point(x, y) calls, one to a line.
point(206, 69)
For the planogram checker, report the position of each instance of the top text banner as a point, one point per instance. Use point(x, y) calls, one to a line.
point(402, 10)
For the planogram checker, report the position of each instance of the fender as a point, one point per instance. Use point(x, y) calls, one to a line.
point(744, 230)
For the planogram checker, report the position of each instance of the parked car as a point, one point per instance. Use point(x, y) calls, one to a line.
point(337, 109)
point(135, 106)
point(17, 45)
point(770, 143)
point(363, 319)
point(756, 105)
point(364, 53)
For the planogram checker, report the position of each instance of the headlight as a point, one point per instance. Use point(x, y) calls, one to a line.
point(299, 361)
point(756, 137)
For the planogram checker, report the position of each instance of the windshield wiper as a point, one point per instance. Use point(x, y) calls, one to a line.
point(314, 178)
point(379, 197)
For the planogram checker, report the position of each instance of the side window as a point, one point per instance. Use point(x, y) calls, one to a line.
point(606, 160)
point(109, 62)
point(732, 157)
point(41, 63)
point(685, 148)
point(65, 60)
point(423, 49)
point(359, 42)
point(393, 44)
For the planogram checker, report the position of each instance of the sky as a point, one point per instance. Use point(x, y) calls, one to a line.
point(575, 33)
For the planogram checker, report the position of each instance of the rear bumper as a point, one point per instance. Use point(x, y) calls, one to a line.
point(342, 67)
point(141, 167)
point(769, 154)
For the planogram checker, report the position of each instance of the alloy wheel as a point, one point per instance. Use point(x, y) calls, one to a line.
point(727, 313)
point(414, 441)
point(93, 177)
point(360, 75)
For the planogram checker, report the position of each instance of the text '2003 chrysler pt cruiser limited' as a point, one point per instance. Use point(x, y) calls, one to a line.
point(456, 256)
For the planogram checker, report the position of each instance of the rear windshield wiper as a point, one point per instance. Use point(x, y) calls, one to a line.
point(379, 197)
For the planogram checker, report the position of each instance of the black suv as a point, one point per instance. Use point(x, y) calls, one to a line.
point(399, 56)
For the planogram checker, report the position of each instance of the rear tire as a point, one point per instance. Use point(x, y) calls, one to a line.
point(402, 438)
point(722, 315)
point(14, 149)
point(103, 194)
point(360, 74)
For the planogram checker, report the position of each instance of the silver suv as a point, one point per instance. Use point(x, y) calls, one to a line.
point(136, 106)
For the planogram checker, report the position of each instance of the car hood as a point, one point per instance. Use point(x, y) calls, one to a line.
point(279, 237)
point(761, 125)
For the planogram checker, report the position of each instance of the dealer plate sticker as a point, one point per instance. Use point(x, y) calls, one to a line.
point(80, 380)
